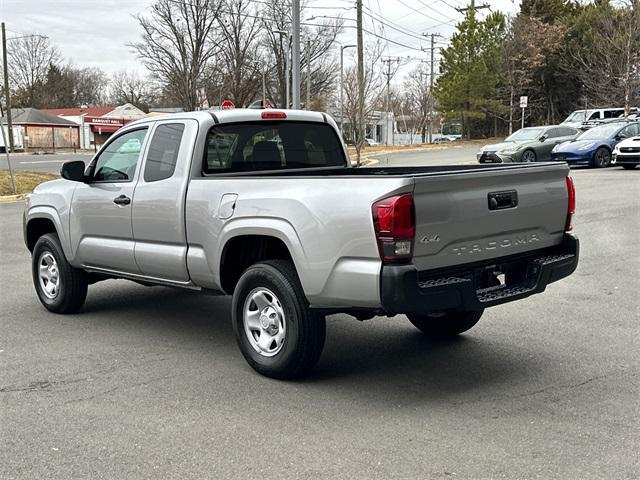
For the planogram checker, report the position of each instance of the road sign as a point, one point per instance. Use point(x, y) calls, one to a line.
point(227, 105)
point(523, 101)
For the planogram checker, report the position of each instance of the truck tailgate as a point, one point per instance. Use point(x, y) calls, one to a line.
point(465, 217)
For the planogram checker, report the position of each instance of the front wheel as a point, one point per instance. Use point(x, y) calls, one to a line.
point(61, 288)
point(602, 158)
point(278, 335)
point(445, 324)
point(528, 156)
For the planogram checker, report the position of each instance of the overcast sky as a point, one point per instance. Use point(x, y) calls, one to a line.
point(95, 33)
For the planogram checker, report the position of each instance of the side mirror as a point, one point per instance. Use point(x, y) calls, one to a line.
point(73, 171)
point(543, 138)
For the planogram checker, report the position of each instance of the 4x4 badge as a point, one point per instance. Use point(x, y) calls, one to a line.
point(428, 239)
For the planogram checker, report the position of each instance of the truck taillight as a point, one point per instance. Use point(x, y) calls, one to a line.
point(571, 205)
point(394, 220)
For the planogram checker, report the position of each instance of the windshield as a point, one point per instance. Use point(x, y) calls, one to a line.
point(577, 116)
point(525, 134)
point(603, 131)
point(253, 146)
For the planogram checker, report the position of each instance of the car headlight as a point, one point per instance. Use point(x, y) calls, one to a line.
point(554, 149)
point(509, 151)
point(586, 147)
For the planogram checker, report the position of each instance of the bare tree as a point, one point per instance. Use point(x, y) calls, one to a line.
point(238, 36)
point(91, 85)
point(276, 16)
point(418, 99)
point(373, 91)
point(29, 59)
point(127, 87)
point(610, 67)
point(177, 46)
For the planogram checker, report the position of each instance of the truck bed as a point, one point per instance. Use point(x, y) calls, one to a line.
point(400, 171)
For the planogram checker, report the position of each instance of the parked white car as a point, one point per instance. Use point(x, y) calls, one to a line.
point(627, 153)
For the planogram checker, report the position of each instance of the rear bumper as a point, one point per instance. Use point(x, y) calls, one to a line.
point(473, 287)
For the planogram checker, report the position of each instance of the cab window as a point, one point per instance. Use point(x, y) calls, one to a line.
point(118, 161)
point(163, 152)
point(260, 146)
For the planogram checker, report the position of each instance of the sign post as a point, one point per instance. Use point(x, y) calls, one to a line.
point(523, 104)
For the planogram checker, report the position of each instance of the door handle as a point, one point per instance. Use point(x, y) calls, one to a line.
point(122, 200)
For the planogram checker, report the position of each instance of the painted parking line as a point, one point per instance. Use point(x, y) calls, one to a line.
point(41, 161)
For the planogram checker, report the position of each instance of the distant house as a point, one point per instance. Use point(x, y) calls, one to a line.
point(39, 130)
point(97, 124)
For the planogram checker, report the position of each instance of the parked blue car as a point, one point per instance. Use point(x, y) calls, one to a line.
point(594, 146)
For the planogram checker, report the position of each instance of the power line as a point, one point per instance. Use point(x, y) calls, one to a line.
point(437, 11)
point(425, 15)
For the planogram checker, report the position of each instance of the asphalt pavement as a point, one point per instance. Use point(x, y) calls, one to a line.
point(148, 382)
point(42, 163)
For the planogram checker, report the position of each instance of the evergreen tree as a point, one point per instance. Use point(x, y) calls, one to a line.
point(469, 71)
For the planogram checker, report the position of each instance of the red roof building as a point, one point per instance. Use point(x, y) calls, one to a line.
point(97, 124)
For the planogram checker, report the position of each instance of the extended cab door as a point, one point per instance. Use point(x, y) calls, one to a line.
point(158, 212)
point(100, 219)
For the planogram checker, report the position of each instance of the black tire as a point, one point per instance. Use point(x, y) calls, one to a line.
point(629, 166)
point(445, 324)
point(72, 283)
point(528, 156)
point(305, 329)
point(602, 158)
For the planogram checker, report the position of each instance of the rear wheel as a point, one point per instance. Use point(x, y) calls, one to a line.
point(61, 288)
point(528, 156)
point(277, 333)
point(629, 166)
point(445, 324)
point(602, 158)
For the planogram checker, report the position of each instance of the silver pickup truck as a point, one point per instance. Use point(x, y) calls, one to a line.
point(264, 205)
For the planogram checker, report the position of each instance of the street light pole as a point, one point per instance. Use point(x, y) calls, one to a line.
point(342, 48)
point(7, 92)
point(295, 54)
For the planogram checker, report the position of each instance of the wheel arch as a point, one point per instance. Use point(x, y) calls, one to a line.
point(40, 221)
point(248, 242)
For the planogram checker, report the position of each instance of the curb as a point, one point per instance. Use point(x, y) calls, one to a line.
point(13, 198)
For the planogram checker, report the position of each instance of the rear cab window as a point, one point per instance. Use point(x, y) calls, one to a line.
point(271, 145)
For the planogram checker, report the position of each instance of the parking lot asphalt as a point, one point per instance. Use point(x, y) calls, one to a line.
point(148, 383)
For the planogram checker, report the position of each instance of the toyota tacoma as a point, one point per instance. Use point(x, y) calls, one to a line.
point(265, 206)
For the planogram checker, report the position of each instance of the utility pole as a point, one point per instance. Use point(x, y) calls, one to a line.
point(387, 61)
point(472, 6)
point(425, 102)
point(6, 152)
point(308, 102)
point(430, 103)
point(295, 53)
point(7, 92)
point(361, 127)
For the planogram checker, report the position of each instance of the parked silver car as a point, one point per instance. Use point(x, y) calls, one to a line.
point(530, 144)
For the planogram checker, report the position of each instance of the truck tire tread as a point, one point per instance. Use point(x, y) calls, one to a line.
point(298, 358)
point(73, 291)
